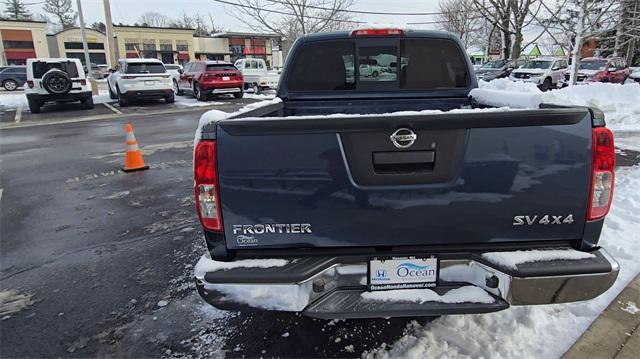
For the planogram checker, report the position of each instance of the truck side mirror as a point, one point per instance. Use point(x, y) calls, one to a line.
point(180, 71)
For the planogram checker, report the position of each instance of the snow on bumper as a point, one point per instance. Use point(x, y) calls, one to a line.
point(333, 288)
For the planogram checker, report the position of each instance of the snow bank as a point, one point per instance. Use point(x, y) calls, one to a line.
point(206, 264)
point(13, 100)
point(467, 294)
point(512, 259)
point(620, 103)
point(532, 331)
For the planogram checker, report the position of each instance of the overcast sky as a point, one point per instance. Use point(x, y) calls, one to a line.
point(128, 11)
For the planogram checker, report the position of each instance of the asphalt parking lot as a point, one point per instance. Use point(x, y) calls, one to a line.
point(96, 262)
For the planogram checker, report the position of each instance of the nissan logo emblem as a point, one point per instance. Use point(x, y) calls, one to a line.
point(403, 138)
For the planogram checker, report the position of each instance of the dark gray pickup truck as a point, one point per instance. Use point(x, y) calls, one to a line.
point(375, 186)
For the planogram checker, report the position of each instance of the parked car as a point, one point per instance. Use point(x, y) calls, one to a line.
point(498, 69)
point(546, 72)
point(174, 70)
point(105, 70)
point(595, 69)
point(334, 210)
point(56, 80)
point(136, 79)
point(253, 70)
point(96, 72)
point(635, 76)
point(204, 78)
point(13, 77)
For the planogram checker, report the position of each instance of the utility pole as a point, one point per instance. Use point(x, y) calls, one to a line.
point(85, 47)
point(110, 41)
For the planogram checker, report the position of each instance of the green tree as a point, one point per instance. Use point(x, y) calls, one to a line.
point(16, 10)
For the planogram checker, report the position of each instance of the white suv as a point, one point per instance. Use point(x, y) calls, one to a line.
point(56, 80)
point(546, 72)
point(140, 78)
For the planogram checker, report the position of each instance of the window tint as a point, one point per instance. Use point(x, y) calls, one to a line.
point(430, 64)
point(247, 64)
point(375, 63)
point(40, 68)
point(220, 67)
point(145, 68)
point(16, 70)
point(260, 64)
point(323, 66)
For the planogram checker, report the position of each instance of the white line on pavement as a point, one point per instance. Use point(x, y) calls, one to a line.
point(112, 108)
point(18, 114)
point(1, 190)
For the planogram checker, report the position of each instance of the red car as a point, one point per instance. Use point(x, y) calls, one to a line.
point(595, 69)
point(204, 78)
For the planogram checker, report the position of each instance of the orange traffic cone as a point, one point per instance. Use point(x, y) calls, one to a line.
point(133, 158)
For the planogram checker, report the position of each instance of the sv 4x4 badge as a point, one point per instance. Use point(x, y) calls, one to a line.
point(544, 220)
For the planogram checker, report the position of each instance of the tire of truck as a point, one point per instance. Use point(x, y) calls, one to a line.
point(56, 82)
point(112, 94)
point(171, 98)
point(87, 103)
point(10, 85)
point(122, 101)
point(34, 105)
point(238, 94)
point(199, 95)
point(375, 74)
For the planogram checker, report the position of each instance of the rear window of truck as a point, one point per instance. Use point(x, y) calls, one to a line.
point(409, 64)
point(145, 68)
point(40, 68)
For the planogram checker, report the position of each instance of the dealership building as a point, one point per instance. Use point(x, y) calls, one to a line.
point(21, 40)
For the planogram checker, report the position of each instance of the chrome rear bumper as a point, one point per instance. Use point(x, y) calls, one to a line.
point(331, 287)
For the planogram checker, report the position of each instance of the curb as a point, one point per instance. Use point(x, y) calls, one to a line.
point(615, 333)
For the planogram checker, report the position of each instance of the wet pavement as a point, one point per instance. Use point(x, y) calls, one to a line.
point(96, 262)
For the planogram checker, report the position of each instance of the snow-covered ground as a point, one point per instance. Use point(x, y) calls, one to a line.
point(15, 100)
point(532, 331)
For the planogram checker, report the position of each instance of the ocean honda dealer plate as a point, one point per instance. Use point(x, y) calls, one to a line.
point(402, 273)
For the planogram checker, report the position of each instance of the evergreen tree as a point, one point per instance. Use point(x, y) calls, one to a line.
point(16, 10)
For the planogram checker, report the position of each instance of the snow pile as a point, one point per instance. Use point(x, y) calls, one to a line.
point(620, 103)
point(512, 259)
point(504, 84)
point(206, 264)
point(467, 294)
point(13, 100)
point(532, 331)
point(500, 98)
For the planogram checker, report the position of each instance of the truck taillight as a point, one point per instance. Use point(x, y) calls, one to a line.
point(206, 185)
point(602, 173)
point(377, 32)
point(30, 84)
point(83, 82)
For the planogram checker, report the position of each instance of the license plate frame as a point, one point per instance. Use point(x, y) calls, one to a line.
point(149, 82)
point(226, 78)
point(389, 267)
